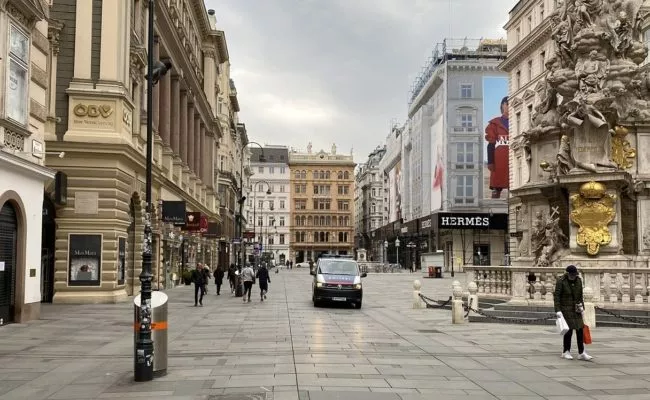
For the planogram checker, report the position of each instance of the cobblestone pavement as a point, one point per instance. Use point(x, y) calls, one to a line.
point(285, 349)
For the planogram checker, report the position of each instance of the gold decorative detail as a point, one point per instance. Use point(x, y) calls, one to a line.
point(593, 210)
point(92, 111)
point(622, 151)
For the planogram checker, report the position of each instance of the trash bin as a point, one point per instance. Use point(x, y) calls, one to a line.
point(431, 273)
point(438, 272)
point(159, 334)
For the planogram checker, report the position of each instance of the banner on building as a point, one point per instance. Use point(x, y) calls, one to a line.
point(84, 260)
point(192, 221)
point(213, 230)
point(496, 126)
point(174, 212)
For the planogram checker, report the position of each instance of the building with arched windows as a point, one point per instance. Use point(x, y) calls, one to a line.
point(322, 204)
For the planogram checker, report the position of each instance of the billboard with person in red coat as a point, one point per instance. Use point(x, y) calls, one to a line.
point(497, 134)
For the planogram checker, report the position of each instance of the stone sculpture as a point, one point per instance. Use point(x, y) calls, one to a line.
point(547, 240)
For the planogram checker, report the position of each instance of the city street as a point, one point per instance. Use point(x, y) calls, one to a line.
point(285, 349)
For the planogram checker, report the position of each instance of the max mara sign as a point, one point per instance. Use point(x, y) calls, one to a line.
point(472, 221)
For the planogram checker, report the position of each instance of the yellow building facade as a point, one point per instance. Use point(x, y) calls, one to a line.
point(322, 204)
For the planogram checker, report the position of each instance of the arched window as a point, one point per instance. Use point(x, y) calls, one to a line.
point(310, 221)
point(346, 221)
point(322, 174)
point(327, 174)
point(303, 220)
point(322, 221)
point(327, 236)
point(346, 175)
point(340, 236)
point(316, 221)
point(304, 174)
point(340, 221)
point(322, 236)
point(297, 174)
point(328, 220)
point(373, 208)
point(297, 220)
point(340, 175)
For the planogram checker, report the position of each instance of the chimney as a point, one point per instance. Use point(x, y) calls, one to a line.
point(212, 19)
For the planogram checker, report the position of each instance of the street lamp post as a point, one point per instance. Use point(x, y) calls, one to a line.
point(143, 357)
point(397, 249)
point(411, 245)
point(241, 200)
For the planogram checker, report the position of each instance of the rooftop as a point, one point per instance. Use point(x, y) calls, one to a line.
point(272, 154)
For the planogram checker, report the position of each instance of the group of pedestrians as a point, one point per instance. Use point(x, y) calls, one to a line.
point(236, 277)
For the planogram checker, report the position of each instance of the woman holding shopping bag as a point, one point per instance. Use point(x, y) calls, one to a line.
point(570, 306)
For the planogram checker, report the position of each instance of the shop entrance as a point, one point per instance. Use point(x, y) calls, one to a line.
point(48, 243)
point(8, 235)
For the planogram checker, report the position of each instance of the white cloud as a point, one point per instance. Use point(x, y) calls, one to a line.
point(294, 111)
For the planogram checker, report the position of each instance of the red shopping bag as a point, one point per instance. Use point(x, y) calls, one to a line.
point(586, 334)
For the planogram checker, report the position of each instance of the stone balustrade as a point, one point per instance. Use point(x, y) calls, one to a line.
point(612, 287)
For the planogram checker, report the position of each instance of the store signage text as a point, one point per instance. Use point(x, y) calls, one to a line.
point(465, 221)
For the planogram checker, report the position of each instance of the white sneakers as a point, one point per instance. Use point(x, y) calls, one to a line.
point(584, 356)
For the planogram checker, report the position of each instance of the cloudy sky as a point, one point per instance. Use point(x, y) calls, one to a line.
point(338, 71)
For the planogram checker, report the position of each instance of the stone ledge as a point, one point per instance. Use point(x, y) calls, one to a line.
point(90, 297)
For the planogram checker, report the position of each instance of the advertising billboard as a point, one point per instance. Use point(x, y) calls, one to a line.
point(497, 144)
point(437, 162)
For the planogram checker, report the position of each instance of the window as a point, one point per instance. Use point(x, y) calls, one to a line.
point(260, 221)
point(282, 238)
point(339, 175)
point(271, 204)
point(346, 175)
point(281, 221)
point(518, 123)
point(301, 204)
point(281, 188)
point(222, 162)
point(542, 61)
point(17, 92)
point(541, 13)
point(530, 115)
point(327, 175)
point(464, 189)
point(281, 204)
point(374, 192)
point(518, 34)
point(271, 170)
point(465, 91)
point(303, 175)
point(297, 174)
point(530, 70)
point(530, 23)
point(260, 204)
point(260, 170)
point(466, 120)
point(481, 254)
point(250, 202)
point(271, 239)
point(343, 205)
point(373, 208)
point(518, 80)
point(282, 170)
point(465, 156)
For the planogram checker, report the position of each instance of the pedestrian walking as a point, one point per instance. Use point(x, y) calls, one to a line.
point(248, 277)
point(197, 279)
point(232, 277)
point(205, 271)
point(569, 305)
point(264, 280)
point(218, 279)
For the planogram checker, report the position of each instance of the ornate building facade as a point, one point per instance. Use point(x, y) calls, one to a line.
point(99, 112)
point(24, 122)
point(369, 203)
point(322, 204)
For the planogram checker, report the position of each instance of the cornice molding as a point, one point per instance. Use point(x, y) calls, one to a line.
point(541, 34)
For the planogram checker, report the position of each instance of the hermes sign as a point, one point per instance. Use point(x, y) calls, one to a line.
point(472, 221)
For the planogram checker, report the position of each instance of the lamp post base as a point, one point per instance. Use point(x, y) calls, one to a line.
point(143, 368)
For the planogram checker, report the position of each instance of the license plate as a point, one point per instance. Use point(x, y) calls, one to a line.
point(339, 299)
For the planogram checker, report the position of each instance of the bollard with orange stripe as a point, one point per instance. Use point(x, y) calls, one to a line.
point(155, 326)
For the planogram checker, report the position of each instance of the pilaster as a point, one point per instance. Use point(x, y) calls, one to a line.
point(83, 39)
point(182, 121)
point(190, 133)
point(197, 145)
point(175, 108)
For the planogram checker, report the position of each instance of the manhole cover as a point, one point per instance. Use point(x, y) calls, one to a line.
point(243, 396)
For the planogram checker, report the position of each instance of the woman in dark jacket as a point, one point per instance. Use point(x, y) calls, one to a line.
point(264, 279)
point(570, 305)
point(231, 278)
point(218, 279)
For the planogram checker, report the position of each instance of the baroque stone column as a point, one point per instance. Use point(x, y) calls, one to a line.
point(202, 148)
point(197, 144)
point(182, 121)
point(190, 133)
point(164, 112)
point(174, 117)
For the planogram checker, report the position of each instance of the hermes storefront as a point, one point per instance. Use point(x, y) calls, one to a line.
point(473, 239)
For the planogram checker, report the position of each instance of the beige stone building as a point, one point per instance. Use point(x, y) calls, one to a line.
point(322, 204)
point(99, 112)
point(25, 88)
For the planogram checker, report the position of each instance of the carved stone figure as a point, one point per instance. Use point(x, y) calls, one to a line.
point(646, 237)
point(547, 240)
point(565, 162)
point(562, 37)
point(592, 73)
point(623, 39)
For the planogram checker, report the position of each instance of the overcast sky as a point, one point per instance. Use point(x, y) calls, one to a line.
point(338, 71)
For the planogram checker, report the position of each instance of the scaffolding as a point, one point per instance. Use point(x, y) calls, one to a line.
point(457, 49)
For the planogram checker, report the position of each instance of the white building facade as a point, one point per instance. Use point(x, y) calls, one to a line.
point(369, 203)
point(24, 120)
point(268, 214)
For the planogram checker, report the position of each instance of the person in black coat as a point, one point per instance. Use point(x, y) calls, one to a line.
point(264, 280)
point(199, 282)
point(218, 279)
point(232, 277)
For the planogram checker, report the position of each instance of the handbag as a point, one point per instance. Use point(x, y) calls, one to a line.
point(561, 325)
point(586, 334)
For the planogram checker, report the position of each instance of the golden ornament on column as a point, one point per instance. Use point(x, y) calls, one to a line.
point(622, 151)
point(593, 211)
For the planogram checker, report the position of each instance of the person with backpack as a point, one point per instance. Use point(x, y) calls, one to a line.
point(248, 277)
point(265, 279)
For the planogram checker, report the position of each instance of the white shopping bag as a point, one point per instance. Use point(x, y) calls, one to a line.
point(561, 325)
